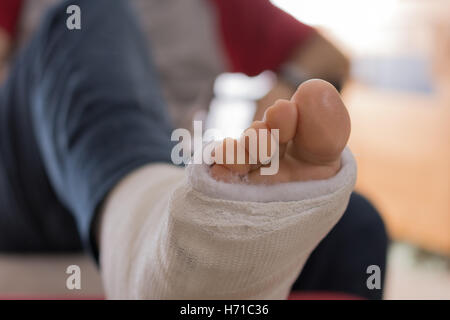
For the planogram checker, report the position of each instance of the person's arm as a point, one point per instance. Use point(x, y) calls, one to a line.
point(259, 36)
point(317, 58)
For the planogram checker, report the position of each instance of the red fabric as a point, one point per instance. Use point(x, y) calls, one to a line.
point(257, 35)
point(9, 15)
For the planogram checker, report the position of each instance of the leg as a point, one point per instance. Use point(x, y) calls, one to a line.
point(204, 239)
point(340, 261)
point(84, 110)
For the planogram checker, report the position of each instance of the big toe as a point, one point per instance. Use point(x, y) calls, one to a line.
point(323, 125)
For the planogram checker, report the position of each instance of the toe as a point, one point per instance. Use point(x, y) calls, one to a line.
point(230, 154)
point(283, 116)
point(221, 173)
point(261, 144)
point(323, 126)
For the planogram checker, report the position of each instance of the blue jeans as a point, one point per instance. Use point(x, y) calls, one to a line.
point(80, 110)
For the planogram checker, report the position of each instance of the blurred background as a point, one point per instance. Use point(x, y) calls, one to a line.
point(399, 101)
point(398, 96)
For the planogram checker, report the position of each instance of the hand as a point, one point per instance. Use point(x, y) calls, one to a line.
point(318, 58)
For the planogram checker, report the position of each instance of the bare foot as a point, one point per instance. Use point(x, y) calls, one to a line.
point(314, 127)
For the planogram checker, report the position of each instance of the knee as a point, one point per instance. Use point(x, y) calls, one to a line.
point(367, 222)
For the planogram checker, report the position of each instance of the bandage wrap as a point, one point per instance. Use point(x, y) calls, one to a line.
point(202, 240)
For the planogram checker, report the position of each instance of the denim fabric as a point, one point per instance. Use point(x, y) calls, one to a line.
point(81, 109)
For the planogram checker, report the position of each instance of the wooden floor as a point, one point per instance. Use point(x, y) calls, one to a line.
point(43, 276)
point(402, 147)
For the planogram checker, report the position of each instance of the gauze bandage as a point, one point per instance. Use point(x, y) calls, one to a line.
point(169, 235)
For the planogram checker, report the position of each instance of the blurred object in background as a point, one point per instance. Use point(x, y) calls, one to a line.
point(234, 104)
point(391, 41)
point(399, 100)
point(402, 73)
point(400, 52)
point(4, 52)
point(402, 146)
point(416, 274)
point(9, 11)
point(441, 50)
